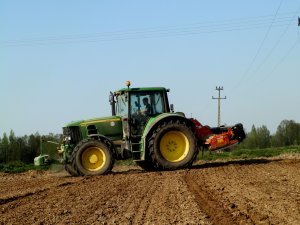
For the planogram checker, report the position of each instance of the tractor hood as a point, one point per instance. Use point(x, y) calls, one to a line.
point(110, 127)
point(108, 119)
point(74, 123)
point(93, 121)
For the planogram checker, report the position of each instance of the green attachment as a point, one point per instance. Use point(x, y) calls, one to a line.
point(41, 160)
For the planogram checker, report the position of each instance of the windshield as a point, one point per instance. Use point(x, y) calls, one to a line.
point(146, 103)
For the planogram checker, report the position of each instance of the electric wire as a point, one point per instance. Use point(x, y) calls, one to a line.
point(259, 49)
point(179, 30)
point(281, 60)
point(278, 41)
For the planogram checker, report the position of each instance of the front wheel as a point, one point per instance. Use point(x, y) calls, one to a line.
point(92, 157)
point(173, 145)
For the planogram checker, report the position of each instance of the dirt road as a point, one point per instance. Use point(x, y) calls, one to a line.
point(258, 191)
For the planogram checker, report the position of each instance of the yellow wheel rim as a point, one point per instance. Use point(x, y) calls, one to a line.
point(174, 146)
point(93, 158)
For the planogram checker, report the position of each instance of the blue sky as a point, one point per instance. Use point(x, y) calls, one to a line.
point(60, 59)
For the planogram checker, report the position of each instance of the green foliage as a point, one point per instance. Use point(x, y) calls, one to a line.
point(127, 162)
point(263, 137)
point(288, 133)
point(248, 153)
point(25, 148)
point(19, 167)
point(258, 138)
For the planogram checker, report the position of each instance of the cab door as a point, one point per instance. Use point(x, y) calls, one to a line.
point(143, 106)
point(122, 111)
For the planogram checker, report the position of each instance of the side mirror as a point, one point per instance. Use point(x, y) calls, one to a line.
point(111, 98)
point(172, 108)
point(112, 102)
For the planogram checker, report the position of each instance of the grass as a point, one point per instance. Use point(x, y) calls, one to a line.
point(19, 167)
point(127, 162)
point(248, 153)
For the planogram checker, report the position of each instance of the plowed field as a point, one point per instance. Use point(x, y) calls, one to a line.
point(261, 191)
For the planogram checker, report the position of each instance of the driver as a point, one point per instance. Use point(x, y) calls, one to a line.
point(147, 110)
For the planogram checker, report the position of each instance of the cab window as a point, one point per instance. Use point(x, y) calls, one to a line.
point(146, 103)
point(122, 106)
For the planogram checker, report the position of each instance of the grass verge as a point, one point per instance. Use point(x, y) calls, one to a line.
point(19, 167)
point(248, 153)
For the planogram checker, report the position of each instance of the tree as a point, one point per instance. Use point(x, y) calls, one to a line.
point(257, 138)
point(13, 147)
point(288, 133)
point(251, 140)
point(263, 137)
point(5, 145)
point(34, 143)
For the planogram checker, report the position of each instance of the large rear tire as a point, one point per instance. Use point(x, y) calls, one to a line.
point(92, 157)
point(71, 170)
point(172, 145)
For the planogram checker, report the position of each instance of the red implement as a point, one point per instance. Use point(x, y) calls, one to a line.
point(214, 139)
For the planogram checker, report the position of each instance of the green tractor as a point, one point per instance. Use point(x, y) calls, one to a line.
point(144, 128)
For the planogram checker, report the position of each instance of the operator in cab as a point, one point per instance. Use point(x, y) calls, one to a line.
point(147, 110)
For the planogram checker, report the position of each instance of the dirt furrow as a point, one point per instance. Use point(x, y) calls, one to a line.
point(254, 190)
point(209, 202)
point(236, 192)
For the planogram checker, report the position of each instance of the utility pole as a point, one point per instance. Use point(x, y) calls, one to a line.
point(219, 89)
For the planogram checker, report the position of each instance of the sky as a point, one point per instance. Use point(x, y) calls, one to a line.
point(60, 59)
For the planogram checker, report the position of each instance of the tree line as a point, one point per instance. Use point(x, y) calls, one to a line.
point(287, 134)
point(26, 148)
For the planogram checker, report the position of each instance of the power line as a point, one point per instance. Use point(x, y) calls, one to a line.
point(278, 41)
point(288, 52)
point(263, 77)
point(260, 46)
point(183, 30)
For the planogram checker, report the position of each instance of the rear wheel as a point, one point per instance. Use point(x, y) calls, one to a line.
point(173, 145)
point(71, 170)
point(92, 157)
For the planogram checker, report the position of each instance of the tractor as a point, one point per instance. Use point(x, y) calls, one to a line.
point(143, 127)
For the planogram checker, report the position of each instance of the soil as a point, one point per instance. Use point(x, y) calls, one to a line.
point(259, 191)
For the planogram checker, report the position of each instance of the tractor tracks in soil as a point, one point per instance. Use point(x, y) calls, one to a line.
point(207, 198)
point(242, 192)
point(11, 192)
point(148, 198)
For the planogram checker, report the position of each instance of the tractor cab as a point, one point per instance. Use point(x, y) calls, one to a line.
point(135, 106)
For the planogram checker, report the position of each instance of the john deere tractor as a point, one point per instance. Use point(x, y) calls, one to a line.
point(143, 127)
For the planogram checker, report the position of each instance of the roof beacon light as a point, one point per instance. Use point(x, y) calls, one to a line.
point(128, 83)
